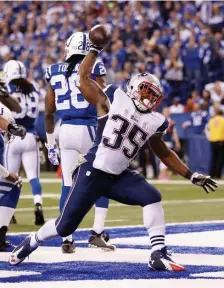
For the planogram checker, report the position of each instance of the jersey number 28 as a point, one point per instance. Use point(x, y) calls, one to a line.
point(68, 94)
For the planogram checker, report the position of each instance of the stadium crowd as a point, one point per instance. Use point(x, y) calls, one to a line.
point(181, 42)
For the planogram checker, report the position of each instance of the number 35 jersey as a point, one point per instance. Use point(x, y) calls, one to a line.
point(70, 104)
point(125, 132)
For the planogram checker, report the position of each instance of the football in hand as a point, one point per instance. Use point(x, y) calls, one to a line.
point(100, 35)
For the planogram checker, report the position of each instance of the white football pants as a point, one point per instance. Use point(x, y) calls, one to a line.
point(25, 151)
point(73, 140)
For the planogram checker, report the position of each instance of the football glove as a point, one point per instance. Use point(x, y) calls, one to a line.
point(206, 182)
point(53, 154)
point(3, 89)
point(17, 130)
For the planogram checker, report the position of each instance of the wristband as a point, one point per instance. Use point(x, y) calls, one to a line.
point(189, 175)
point(3, 172)
point(50, 139)
point(95, 49)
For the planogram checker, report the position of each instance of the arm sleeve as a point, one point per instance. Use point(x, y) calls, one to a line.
point(99, 69)
point(162, 128)
point(109, 91)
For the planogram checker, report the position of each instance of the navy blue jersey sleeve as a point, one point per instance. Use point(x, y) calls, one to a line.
point(109, 91)
point(99, 69)
point(163, 127)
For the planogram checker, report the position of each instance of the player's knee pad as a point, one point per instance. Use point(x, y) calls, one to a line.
point(102, 202)
point(36, 186)
point(64, 194)
point(10, 196)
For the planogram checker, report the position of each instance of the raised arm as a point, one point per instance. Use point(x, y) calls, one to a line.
point(172, 161)
point(90, 89)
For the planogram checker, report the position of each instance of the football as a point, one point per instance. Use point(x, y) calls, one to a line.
point(100, 35)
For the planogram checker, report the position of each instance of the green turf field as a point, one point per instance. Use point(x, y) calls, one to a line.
point(182, 203)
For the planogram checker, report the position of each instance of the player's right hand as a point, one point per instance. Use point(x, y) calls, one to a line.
point(206, 182)
point(17, 130)
point(14, 178)
point(53, 154)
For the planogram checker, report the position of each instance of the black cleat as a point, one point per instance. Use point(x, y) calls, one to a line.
point(100, 241)
point(13, 220)
point(22, 251)
point(68, 247)
point(39, 216)
point(4, 244)
point(160, 260)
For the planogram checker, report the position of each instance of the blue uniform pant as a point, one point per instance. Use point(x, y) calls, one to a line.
point(89, 184)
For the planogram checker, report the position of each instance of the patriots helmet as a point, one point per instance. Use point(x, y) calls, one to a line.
point(145, 90)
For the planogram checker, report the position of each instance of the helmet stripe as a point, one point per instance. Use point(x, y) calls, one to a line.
point(84, 42)
point(20, 69)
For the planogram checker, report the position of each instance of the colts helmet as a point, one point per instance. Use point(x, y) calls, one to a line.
point(77, 44)
point(145, 90)
point(14, 70)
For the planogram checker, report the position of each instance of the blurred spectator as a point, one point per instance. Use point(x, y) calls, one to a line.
point(157, 67)
point(174, 74)
point(177, 107)
point(199, 119)
point(216, 90)
point(192, 63)
point(172, 141)
point(216, 138)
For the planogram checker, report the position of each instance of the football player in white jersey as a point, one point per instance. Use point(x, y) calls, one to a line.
point(26, 151)
point(123, 128)
point(78, 125)
point(10, 183)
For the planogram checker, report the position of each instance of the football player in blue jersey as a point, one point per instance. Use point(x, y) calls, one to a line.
point(10, 183)
point(78, 126)
point(123, 128)
point(26, 151)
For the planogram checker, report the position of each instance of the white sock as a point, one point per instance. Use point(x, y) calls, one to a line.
point(69, 238)
point(6, 215)
point(46, 232)
point(37, 199)
point(153, 217)
point(99, 219)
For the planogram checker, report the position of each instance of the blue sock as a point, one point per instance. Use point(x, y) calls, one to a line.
point(36, 190)
point(102, 202)
point(64, 194)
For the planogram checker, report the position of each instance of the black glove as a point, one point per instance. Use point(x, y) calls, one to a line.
point(206, 182)
point(17, 130)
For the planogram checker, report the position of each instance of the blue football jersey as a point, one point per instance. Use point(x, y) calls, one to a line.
point(29, 106)
point(70, 104)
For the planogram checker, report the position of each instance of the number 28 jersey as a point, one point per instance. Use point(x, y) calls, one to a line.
point(125, 132)
point(70, 104)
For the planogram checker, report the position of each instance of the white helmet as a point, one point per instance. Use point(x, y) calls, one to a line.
point(77, 44)
point(14, 70)
point(145, 90)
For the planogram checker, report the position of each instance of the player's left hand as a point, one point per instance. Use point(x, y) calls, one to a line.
point(206, 182)
point(53, 154)
point(17, 130)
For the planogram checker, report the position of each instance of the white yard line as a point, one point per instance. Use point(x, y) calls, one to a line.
point(167, 202)
point(166, 182)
